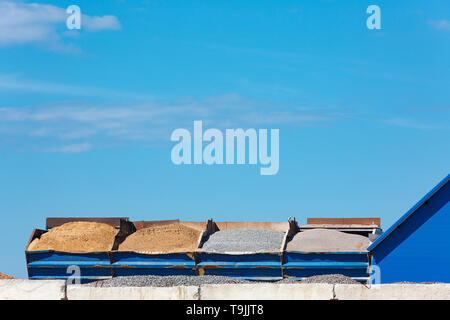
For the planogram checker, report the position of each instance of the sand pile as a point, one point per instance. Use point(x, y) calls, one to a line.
point(162, 239)
point(4, 276)
point(323, 240)
point(76, 237)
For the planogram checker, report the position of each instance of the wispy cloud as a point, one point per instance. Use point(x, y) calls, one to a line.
point(11, 82)
point(146, 122)
point(410, 123)
point(22, 23)
point(440, 24)
point(72, 148)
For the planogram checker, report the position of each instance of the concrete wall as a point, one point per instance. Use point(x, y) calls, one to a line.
point(80, 292)
point(393, 292)
point(266, 292)
point(17, 289)
point(56, 290)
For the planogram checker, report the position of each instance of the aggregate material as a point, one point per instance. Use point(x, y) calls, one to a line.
point(76, 237)
point(162, 239)
point(325, 240)
point(165, 281)
point(326, 278)
point(244, 240)
point(171, 281)
point(4, 276)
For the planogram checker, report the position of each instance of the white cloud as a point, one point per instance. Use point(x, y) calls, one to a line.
point(40, 23)
point(146, 122)
point(441, 24)
point(409, 123)
point(100, 23)
point(12, 82)
point(72, 148)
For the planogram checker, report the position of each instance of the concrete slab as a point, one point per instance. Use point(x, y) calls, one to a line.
point(268, 291)
point(19, 289)
point(393, 292)
point(80, 292)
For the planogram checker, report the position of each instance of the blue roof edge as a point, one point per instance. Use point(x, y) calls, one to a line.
point(409, 213)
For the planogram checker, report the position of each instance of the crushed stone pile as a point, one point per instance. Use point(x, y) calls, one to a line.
point(162, 239)
point(4, 276)
point(325, 240)
point(76, 237)
point(164, 281)
point(326, 278)
point(244, 240)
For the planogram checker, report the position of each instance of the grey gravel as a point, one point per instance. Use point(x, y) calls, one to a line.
point(244, 240)
point(164, 281)
point(331, 279)
point(326, 278)
point(171, 281)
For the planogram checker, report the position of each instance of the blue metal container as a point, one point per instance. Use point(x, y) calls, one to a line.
point(56, 265)
point(250, 266)
point(128, 263)
point(298, 265)
point(50, 264)
point(171, 264)
point(245, 265)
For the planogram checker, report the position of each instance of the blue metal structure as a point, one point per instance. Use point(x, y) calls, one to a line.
point(170, 264)
point(416, 247)
point(298, 265)
point(55, 265)
point(245, 265)
point(129, 263)
point(50, 264)
point(250, 265)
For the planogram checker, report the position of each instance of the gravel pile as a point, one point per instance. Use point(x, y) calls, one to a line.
point(326, 278)
point(323, 240)
point(164, 281)
point(244, 240)
point(171, 281)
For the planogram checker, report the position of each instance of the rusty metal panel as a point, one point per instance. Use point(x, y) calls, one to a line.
point(56, 222)
point(147, 224)
point(345, 221)
point(277, 226)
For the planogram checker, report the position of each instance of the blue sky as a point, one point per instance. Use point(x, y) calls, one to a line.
point(86, 116)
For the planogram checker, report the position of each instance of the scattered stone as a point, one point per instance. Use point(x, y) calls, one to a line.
point(326, 278)
point(164, 281)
